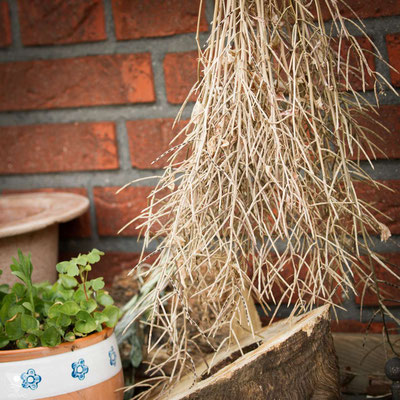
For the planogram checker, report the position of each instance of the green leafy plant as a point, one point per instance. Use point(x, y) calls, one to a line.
point(47, 314)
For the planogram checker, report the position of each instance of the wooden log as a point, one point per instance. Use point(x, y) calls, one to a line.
point(289, 360)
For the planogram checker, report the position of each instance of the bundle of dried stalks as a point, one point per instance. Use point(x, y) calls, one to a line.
point(267, 186)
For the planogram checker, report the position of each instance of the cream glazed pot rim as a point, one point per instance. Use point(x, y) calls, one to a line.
point(61, 373)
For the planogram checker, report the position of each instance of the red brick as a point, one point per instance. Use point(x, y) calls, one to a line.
point(58, 147)
point(364, 9)
point(180, 71)
point(149, 139)
point(388, 142)
point(353, 326)
point(386, 201)
point(350, 53)
point(78, 227)
point(136, 19)
point(44, 22)
point(389, 285)
point(76, 82)
point(113, 264)
point(393, 47)
point(5, 25)
point(113, 210)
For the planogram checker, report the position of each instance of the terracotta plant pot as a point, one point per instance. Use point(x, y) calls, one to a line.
point(29, 222)
point(86, 369)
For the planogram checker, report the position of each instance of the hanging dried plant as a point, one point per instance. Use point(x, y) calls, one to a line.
point(265, 201)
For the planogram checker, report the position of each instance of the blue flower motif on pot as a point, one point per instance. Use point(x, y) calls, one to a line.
point(79, 369)
point(113, 356)
point(30, 379)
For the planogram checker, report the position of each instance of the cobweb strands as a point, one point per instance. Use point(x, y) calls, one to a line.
point(264, 204)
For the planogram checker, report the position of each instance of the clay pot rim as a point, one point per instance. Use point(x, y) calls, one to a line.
point(57, 207)
point(42, 351)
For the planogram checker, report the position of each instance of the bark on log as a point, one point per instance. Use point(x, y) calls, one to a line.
point(289, 360)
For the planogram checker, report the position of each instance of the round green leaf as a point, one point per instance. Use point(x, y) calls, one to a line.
point(100, 317)
point(54, 310)
point(63, 320)
point(4, 288)
point(14, 310)
point(72, 269)
point(87, 326)
point(69, 308)
point(79, 295)
point(32, 340)
point(65, 293)
point(50, 337)
point(7, 301)
point(28, 306)
point(113, 314)
point(27, 342)
point(83, 315)
point(3, 342)
point(97, 283)
point(68, 282)
point(81, 259)
point(104, 299)
point(94, 256)
point(62, 267)
point(22, 344)
point(19, 289)
point(69, 337)
point(29, 323)
point(13, 328)
point(88, 306)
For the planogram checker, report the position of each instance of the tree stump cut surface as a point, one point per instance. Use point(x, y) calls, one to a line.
point(289, 360)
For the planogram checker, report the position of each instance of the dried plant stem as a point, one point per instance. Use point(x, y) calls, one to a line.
point(265, 201)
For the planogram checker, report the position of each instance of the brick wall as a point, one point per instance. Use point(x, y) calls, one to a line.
point(88, 93)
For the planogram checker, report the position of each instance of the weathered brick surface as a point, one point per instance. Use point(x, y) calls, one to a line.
point(5, 26)
point(393, 47)
point(348, 52)
point(388, 141)
point(364, 9)
point(113, 210)
point(44, 22)
point(78, 227)
point(388, 284)
point(386, 201)
point(58, 147)
point(76, 82)
point(149, 139)
point(180, 70)
point(136, 19)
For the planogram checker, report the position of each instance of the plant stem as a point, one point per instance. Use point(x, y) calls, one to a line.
point(31, 299)
point(83, 283)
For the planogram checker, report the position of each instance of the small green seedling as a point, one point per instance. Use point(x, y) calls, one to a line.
point(42, 314)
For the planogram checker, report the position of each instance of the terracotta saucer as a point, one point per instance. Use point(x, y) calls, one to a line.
point(28, 212)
